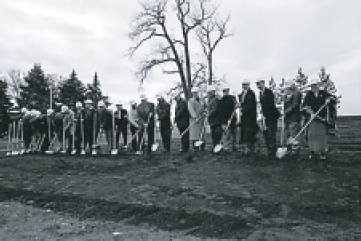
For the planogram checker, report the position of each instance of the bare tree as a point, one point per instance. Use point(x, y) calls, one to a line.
point(172, 51)
point(210, 34)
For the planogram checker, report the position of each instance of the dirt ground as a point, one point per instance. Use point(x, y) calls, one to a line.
point(185, 197)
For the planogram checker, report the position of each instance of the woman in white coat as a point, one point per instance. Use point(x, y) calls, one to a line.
point(196, 109)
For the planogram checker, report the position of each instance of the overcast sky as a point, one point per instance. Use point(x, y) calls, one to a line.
point(271, 38)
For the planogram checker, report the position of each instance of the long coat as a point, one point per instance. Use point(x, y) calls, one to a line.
point(196, 109)
point(248, 121)
point(268, 105)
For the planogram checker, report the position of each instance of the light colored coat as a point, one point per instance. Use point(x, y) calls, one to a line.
point(196, 109)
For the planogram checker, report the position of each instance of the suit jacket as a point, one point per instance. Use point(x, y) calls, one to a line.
point(226, 108)
point(315, 103)
point(181, 112)
point(248, 106)
point(269, 109)
point(121, 117)
point(144, 110)
point(292, 106)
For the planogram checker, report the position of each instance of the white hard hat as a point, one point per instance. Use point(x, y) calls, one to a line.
point(132, 102)
point(315, 81)
point(226, 87)
point(88, 102)
point(101, 104)
point(211, 88)
point(78, 104)
point(260, 79)
point(289, 83)
point(143, 97)
point(49, 112)
point(246, 82)
point(23, 110)
point(195, 89)
point(64, 109)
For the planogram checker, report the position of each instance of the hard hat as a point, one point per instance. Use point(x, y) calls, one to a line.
point(289, 83)
point(49, 112)
point(23, 110)
point(64, 109)
point(132, 102)
point(101, 104)
point(315, 81)
point(158, 96)
point(211, 88)
point(246, 82)
point(195, 89)
point(143, 97)
point(78, 104)
point(260, 79)
point(88, 102)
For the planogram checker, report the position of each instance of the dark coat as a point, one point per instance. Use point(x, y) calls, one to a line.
point(292, 105)
point(163, 111)
point(226, 107)
point(248, 107)
point(315, 103)
point(144, 110)
point(123, 120)
point(181, 113)
point(269, 109)
point(213, 112)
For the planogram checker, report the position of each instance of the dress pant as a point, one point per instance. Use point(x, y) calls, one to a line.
point(121, 130)
point(165, 133)
point(182, 126)
point(270, 137)
point(149, 131)
point(133, 130)
point(216, 133)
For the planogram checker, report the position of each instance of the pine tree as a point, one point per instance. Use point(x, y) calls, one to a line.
point(327, 84)
point(35, 93)
point(4, 106)
point(301, 78)
point(71, 90)
point(93, 91)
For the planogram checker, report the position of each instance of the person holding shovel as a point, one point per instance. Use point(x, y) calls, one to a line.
point(146, 122)
point(163, 113)
point(197, 110)
point(317, 129)
point(182, 120)
point(292, 113)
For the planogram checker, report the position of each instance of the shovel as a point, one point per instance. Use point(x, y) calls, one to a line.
point(156, 144)
point(140, 151)
point(219, 146)
point(293, 140)
point(114, 151)
point(282, 151)
point(200, 141)
point(82, 151)
point(51, 146)
point(131, 139)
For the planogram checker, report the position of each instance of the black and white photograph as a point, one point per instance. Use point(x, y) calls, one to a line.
point(180, 120)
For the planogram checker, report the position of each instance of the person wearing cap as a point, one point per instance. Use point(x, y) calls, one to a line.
point(248, 118)
point(146, 111)
point(121, 124)
point(89, 128)
point(78, 117)
point(270, 114)
point(227, 107)
point(292, 112)
point(104, 123)
point(197, 110)
point(163, 113)
point(214, 116)
point(317, 130)
point(133, 123)
point(182, 120)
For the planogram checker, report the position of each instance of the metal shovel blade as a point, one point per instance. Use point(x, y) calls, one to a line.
point(94, 152)
point(73, 152)
point(8, 154)
point(292, 141)
point(139, 153)
point(50, 152)
point(281, 152)
point(155, 146)
point(218, 148)
point(114, 152)
point(82, 152)
point(198, 143)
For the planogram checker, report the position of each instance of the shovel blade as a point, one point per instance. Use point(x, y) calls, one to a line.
point(114, 152)
point(139, 153)
point(198, 143)
point(281, 152)
point(292, 141)
point(50, 152)
point(155, 147)
point(217, 148)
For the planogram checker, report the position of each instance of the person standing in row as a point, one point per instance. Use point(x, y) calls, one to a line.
point(317, 130)
point(146, 121)
point(213, 116)
point(227, 107)
point(78, 118)
point(133, 123)
point(163, 113)
point(248, 118)
point(121, 124)
point(292, 113)
point(182, 120)
point(89, 130)
point(271, 115)
point(196, 109)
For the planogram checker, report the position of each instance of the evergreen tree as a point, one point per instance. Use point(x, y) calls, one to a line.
point(35, 92)
point(327, 83)
point(301, 78)
point(93, 91)
point(4, 107)
point(71, 90)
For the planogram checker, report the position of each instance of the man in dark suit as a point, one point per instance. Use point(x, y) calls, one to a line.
point(121, 124)
point(146, 111)
point(248, 117)
point(163, 113)
point(182, 119)
point(271, 115)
